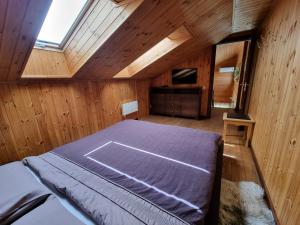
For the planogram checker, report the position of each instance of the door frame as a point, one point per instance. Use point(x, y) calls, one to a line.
point(242, 36)
point(243, 77)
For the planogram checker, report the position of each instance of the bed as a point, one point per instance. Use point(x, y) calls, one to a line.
point(133, 172)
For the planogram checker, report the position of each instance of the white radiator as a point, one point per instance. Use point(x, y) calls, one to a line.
point(129, 107)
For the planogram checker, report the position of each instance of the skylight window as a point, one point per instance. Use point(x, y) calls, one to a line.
point(177, 38)
point(61, 18)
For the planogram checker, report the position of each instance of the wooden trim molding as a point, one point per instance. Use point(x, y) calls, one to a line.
point(211, 79)
point(263, 183)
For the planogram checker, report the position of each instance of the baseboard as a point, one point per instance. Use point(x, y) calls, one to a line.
point(262, 181)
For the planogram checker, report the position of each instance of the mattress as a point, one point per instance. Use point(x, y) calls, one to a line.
point(137, 172)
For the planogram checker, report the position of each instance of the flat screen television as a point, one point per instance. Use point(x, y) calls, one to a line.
point(184, 76)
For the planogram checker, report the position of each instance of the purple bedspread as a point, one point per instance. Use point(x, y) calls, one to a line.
point(172, 167)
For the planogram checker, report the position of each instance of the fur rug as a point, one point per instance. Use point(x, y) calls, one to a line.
point(243, 203)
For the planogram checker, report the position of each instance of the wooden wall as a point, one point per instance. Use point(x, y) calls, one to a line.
point(227, 55)
point(202, 63)
point(275, 105)
point(35, 117)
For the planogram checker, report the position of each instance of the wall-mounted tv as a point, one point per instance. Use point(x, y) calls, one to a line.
point(184, 76)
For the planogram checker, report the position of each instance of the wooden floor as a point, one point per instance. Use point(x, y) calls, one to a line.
point(238, 164)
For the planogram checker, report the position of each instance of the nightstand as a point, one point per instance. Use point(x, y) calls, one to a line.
point(248, 123)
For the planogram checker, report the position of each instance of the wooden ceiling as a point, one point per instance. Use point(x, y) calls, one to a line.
point(101, 51)
point(177, 38)
point(20, 22)
point(100, 21)
point(248, 14)
point(152, 22)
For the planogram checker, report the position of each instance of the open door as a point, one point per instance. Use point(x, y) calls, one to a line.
point(228, 66)
point(244, 81)
point(230, 84)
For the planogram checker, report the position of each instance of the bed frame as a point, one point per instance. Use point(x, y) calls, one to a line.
point(212, 217)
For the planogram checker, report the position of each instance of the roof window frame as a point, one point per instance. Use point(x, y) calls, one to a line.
point(40, 44)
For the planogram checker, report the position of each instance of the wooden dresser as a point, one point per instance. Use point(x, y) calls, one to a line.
point(182, 102)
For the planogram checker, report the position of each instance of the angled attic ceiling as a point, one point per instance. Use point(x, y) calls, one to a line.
point(166, 45)
point(113, 35)
point(99, 23)
point(20, 22)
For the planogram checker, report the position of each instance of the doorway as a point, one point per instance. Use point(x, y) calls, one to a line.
point(228, 63)
point(231, 75)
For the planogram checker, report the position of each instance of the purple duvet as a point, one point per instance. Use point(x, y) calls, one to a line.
point(171, 167)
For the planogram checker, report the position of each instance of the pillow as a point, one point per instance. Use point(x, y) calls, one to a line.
point(20, 192)
point(43, 214)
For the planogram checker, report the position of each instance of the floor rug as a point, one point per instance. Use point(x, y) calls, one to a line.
point(243, 203)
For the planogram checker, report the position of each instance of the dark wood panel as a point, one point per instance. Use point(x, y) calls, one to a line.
point(184, 102)
point(202, 62)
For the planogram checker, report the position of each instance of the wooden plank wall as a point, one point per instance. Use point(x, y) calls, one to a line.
point(275, 105)
point(227, 55)
point(35, 117)
point(202, 63)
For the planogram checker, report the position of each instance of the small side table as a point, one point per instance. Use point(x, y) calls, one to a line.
point(239, 122)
